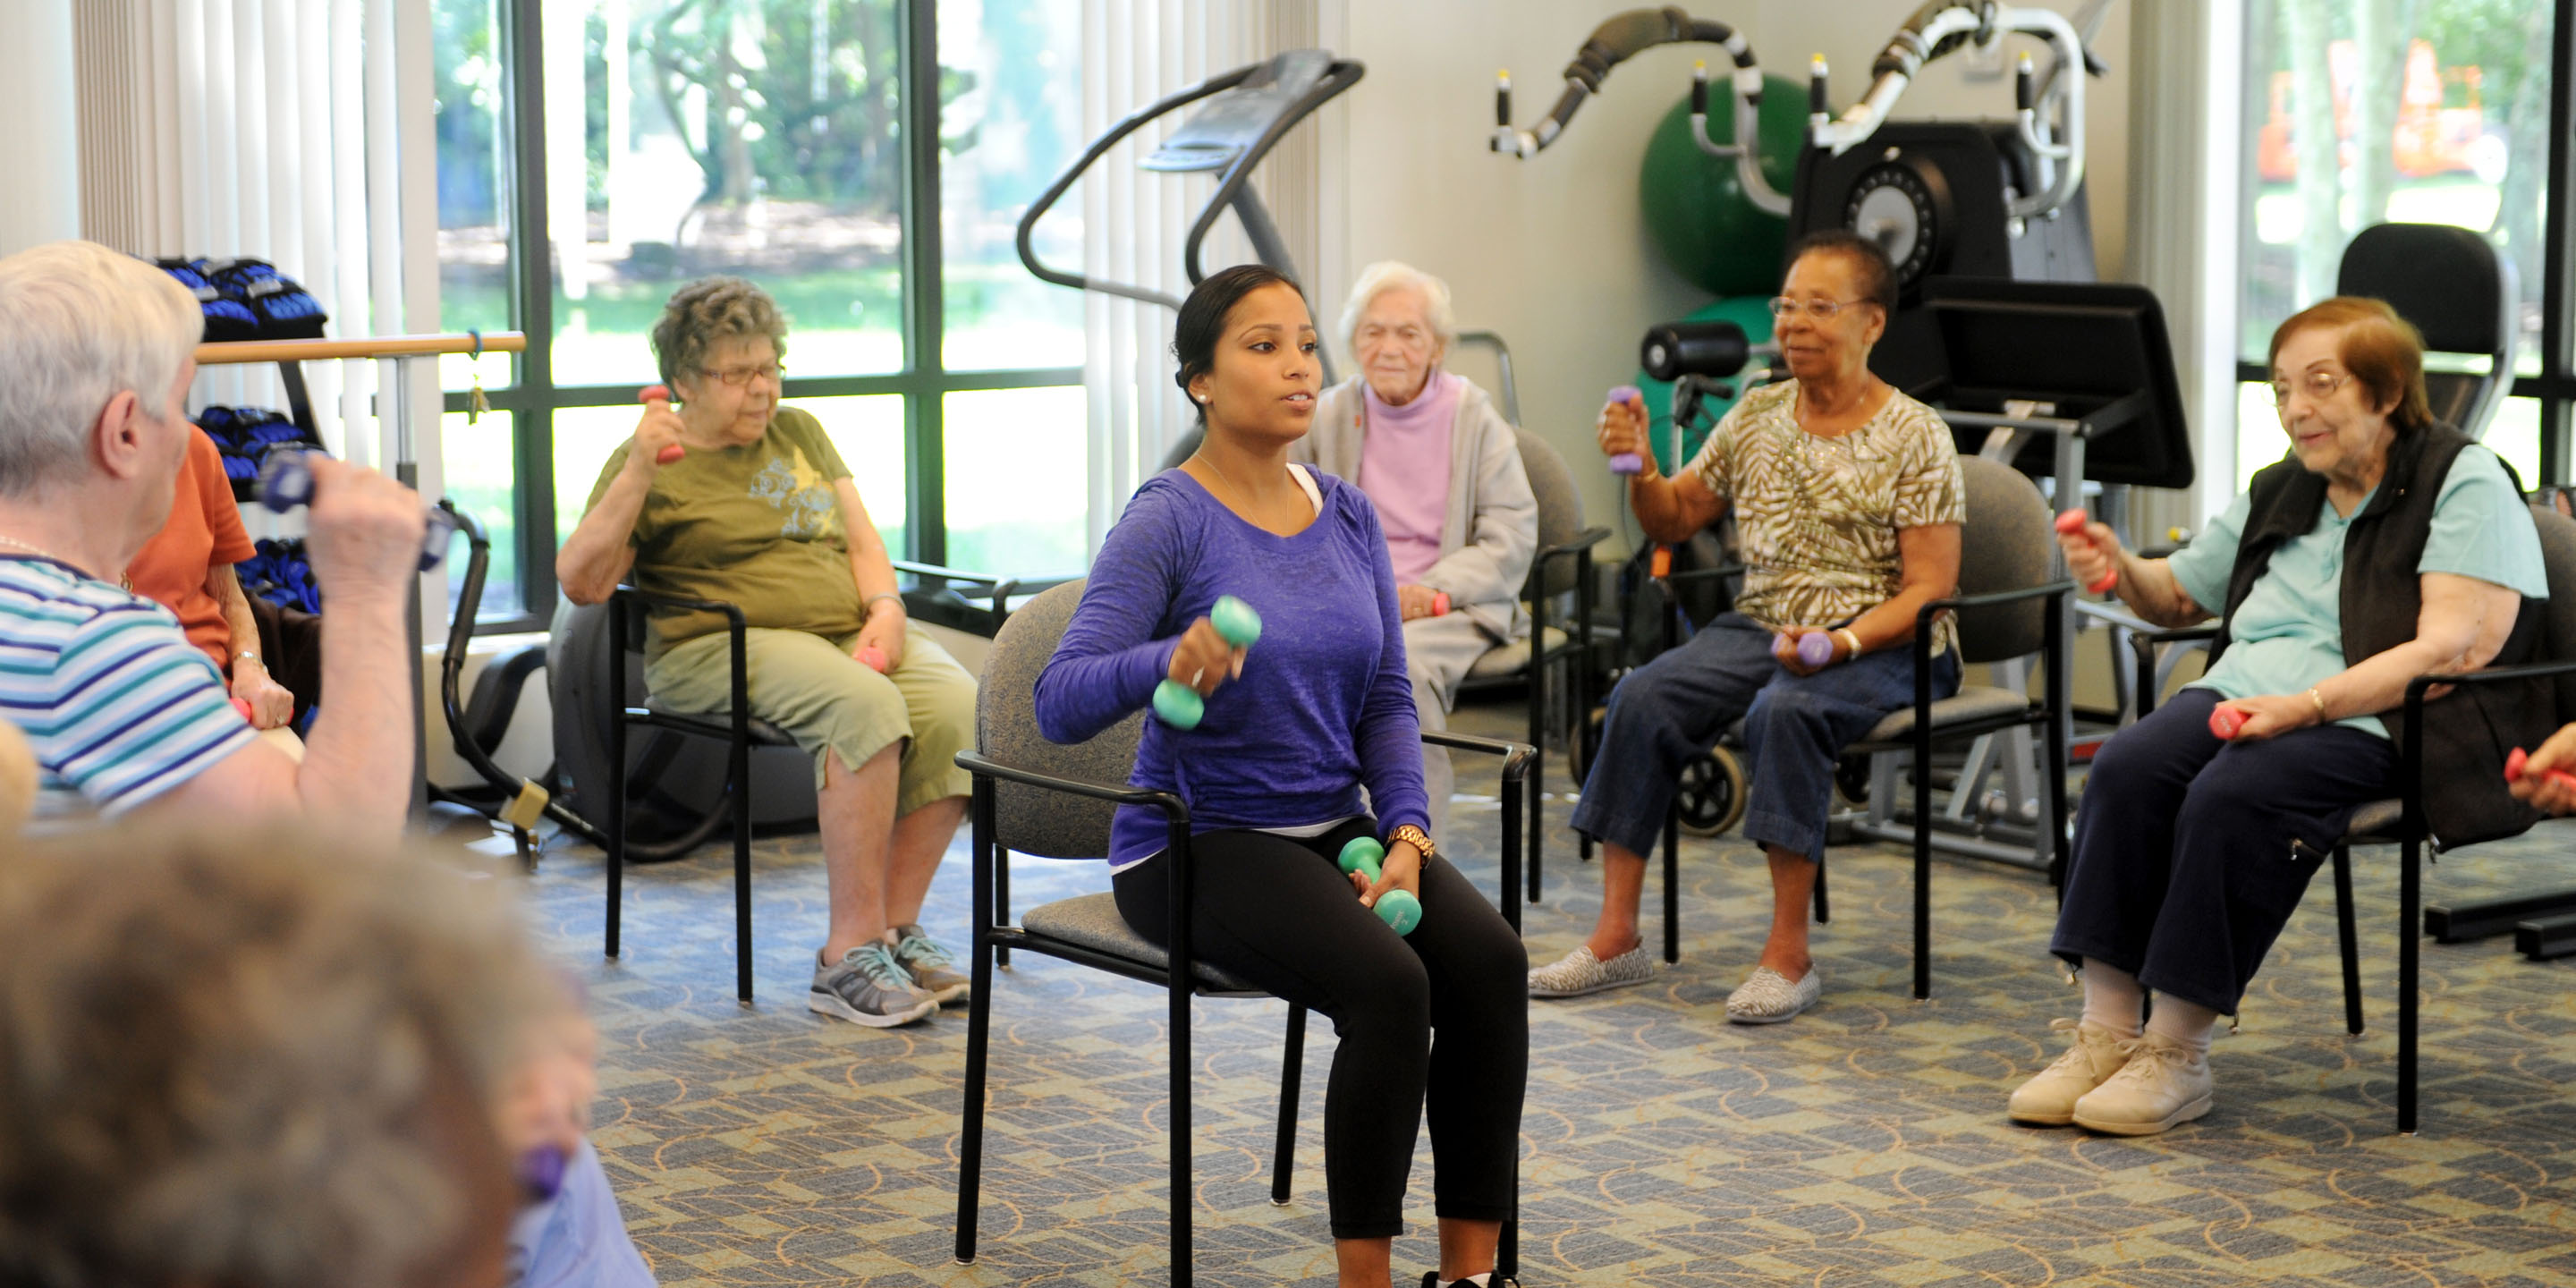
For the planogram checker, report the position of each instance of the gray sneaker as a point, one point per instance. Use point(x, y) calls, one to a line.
point(929, 964)
point(868, 986)
point(1579, 972)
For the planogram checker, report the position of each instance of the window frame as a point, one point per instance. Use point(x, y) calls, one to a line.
point(2554, 387)
point(532, 397)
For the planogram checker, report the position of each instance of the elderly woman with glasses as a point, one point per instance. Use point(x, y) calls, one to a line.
point(1435, 456)
point(2386, 546)
point(1847, 501)
point(759, 511)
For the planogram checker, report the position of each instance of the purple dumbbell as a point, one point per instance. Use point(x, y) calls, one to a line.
point(1626, 462)
point(1814, 649)
point(286, 481)
point(541, 1172)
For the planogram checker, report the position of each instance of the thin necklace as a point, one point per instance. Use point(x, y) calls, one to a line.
point(1222, 476)
point(32, 548)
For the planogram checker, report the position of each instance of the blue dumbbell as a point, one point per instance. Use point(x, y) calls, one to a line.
point(1397, 908)
point(1179, 705)
point(286, 481)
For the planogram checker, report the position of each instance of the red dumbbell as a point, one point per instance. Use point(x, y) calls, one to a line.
point(242, 705)
point(872, 657)
point(1440, 603)
point(2071, 523)
point(2513, 764)
point(2224, 721)
point(658, 398)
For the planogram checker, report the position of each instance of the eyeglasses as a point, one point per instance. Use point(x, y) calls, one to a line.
point(737, 377)
point(2317, 385)
point(1784, 308)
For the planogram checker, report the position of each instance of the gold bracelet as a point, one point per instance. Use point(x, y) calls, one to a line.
point(2320, 701)
point(1851, 639)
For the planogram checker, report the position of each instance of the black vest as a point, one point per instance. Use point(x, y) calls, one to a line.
point(2467, 732)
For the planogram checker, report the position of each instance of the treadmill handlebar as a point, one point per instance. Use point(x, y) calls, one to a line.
point(1055, 191)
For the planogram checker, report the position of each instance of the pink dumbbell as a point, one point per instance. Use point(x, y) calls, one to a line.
point(2224, 721)
point(242, 705)
point(1440, 603)
point(1814, 649)
point(872, 657)
point(1627, 462)
point(2514, 762)
point(658, 398)
point(2071, 523)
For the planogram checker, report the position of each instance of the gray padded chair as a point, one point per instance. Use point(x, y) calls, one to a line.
point(2008, 607)
point(1562, 564)
point(2459, 293)
point(1041, 798)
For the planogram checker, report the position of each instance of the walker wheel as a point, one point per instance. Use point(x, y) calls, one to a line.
point(1712, 793)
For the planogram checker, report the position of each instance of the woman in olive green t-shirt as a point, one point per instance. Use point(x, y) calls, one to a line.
point(760, 512)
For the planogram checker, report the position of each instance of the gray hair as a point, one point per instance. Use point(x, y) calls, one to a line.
point(706, 312)
point(79, 324)
point(1390, 275)
point(226, 1056)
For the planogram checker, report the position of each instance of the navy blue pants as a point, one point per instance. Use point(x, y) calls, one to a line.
point(2191, 853)
point(1795, 728)
point(1277, 911)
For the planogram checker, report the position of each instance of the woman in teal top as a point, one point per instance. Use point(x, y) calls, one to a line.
point(2385, 547)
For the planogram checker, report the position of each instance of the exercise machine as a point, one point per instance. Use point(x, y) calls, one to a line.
point(1246, 113)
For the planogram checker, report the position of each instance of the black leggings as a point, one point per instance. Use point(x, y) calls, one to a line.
point(1276, 910)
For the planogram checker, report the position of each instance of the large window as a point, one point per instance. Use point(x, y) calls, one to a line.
point(2358, 112)
point(864, 161)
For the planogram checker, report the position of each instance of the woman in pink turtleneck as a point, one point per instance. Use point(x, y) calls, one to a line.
point(1443, 468)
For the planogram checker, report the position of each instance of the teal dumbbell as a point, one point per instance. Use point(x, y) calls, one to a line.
point(1179, 705)
point(1397, 908)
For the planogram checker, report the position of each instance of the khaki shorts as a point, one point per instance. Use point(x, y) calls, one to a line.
point(813, 689)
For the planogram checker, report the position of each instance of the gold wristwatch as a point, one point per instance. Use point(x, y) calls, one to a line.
point(1415, 837)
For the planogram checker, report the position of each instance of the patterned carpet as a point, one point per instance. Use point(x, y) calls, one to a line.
point(1862, 1144)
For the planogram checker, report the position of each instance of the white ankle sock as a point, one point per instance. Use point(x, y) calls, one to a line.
point(2186, 1024)
point(1478, 1280)
point(2112, 998)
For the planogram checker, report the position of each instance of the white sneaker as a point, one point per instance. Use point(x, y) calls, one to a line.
point(2048, 1100)
point(2164, 1084)
point(1579, 972)
point(1769, 997)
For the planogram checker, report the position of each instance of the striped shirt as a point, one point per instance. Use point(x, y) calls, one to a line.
point(118, 705)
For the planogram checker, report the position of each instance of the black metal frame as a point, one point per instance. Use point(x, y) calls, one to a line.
point(734, 728)
point(1578, 651)
point(531, 397)
point(1926, 733)
point(994, 935)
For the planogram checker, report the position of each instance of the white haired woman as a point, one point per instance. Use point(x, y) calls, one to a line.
point(1443, 468)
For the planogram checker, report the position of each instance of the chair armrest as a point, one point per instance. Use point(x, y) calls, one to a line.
point(946, 574)
point(1706, 574)
point(1516, 755)
point(2045, 589)
point(2494, 675)
point(655, 599)
point(2176, 634)
point(1172, 806)
point(1583, 540)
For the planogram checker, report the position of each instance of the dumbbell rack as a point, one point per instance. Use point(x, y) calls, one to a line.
point(401, 351)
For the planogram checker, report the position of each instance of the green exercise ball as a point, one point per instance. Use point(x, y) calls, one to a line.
point(1699, 216)
point(1751, 312)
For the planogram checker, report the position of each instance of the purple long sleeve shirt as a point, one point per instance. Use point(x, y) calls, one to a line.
point(1323, 708)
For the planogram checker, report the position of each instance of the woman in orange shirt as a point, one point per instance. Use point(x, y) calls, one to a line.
point(188, 569)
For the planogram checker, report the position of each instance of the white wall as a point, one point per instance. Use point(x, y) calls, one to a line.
point(1552, 251)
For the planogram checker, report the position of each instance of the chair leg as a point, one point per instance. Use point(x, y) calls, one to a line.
point(1002, 901)
point(1824, 906)
point(1291, 1066)
point(2410, 930)
point(1922, 875)
point(1538, 762)
point(1179, 1023)
point(742, 871)
point(2347, 936)
point(1672, 885)
point(979, 1026)
point(616, 828)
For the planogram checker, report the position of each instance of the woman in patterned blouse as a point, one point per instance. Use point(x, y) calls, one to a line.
point(1847, 506)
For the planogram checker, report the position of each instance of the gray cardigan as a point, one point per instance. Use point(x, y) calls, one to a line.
point(1492, 529)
